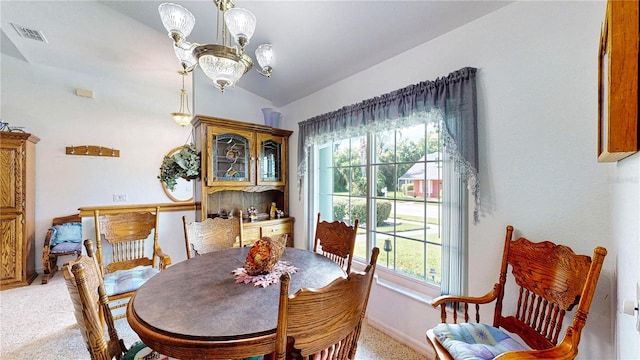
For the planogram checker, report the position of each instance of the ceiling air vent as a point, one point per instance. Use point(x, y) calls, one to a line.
point(29, 33)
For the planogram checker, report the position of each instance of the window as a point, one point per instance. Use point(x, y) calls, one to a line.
point(402, 163)
point(405, 201)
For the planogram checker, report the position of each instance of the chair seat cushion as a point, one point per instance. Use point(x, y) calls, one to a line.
point(124, 281)
point(474, 341)
point(141, 351)
point(66, 247)
point(67, 232)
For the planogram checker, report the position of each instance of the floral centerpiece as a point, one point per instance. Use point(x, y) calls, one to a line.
point(264, 254)
point(184, 163)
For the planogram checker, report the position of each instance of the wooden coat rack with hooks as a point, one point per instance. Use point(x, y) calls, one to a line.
point(92, 150)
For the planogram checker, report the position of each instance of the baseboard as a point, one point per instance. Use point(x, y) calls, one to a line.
point(422, 348)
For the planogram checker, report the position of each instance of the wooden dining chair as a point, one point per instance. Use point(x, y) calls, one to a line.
point(336, 240)
point(215, 234)
point(92, 312)
point(64, 238)
point(549, 280)
point(129, 265)
point(323, 323)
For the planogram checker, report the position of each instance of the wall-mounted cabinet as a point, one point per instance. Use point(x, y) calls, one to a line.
point(243, 165)
point(618, 135)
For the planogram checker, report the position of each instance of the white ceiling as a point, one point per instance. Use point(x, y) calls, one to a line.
point(317, 43)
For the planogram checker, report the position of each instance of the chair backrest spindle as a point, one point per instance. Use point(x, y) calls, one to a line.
point(127, 234)
point(129, 266)
point(544, 272)
point(549, 280)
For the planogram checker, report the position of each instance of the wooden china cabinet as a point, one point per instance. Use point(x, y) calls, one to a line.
point(243, 165)
point(17, 209)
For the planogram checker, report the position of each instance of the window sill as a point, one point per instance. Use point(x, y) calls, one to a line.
point(414, 289)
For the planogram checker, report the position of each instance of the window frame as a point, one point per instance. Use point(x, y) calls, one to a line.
point(402, 283)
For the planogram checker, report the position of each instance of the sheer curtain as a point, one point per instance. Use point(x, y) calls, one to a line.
point(452, 97)
point(454, 231)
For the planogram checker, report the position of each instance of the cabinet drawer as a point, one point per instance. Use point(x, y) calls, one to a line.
point(274, 231)
point(250, 235)
point(278, 229)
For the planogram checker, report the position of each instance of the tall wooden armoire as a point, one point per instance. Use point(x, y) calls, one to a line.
point(17, 209)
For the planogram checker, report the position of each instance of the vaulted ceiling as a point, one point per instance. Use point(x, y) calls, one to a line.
point(317, 43)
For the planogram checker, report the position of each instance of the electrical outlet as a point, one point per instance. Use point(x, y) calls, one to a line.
point(119, 197)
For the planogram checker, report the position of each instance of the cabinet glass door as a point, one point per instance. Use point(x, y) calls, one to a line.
point(270, 160)
point(230, 157)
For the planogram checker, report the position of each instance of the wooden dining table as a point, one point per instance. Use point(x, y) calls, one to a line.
point(195, 309)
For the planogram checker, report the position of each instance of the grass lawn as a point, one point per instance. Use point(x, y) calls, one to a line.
point(389, 227)
point(410, 256)
point(430, 220)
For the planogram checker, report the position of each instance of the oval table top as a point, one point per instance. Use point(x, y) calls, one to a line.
point(195, 309)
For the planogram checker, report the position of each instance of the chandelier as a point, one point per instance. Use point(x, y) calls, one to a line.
point(223, 63)
point(181, 117)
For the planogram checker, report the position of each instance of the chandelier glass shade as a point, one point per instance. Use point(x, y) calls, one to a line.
point(187, 59)
point(241, 24)
point(178, 20)
point(266, 58)
point(222, 63)
point(181, 117)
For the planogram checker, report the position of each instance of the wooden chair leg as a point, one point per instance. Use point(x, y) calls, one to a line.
point(49, 269)
point(50, 266)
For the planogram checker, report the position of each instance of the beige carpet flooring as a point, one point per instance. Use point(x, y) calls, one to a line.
point(37, 322)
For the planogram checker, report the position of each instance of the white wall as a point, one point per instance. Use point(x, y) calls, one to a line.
point(537, 93)
point(131, 117)
point(236, 103)
point(625, 185)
